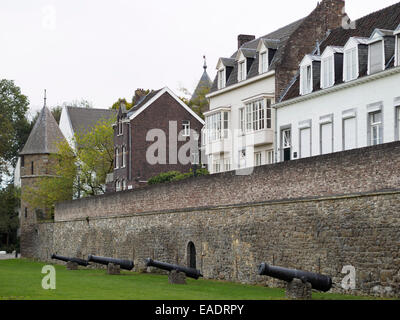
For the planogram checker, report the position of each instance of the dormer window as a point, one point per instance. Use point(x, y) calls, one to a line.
point(376, 62)
point(306, 79)
point(350, 64)
point(242, 70)
point(263, 62)
point(221, 79)
point(327, 72)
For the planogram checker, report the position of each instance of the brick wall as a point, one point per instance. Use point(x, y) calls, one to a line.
point(156, 116)
point(360, 170)
point(327, 16)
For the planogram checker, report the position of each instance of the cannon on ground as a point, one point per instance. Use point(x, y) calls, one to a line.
point(78, 261)
point(318, 281)
point(124, 264)
point(189, 272)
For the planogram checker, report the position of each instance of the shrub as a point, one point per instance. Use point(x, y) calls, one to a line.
point(173, 176)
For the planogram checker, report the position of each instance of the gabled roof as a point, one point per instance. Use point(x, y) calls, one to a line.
point(82, 119)
point(44, 136)
point(274, 40)
point(155, 95)
point(386, 19)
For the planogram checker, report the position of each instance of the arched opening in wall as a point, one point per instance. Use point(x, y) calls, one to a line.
point(191, 255)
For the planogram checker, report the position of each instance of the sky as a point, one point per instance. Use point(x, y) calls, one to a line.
point(102, 50)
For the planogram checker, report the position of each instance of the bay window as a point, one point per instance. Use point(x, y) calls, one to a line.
point(217, 126)
point(258, 115)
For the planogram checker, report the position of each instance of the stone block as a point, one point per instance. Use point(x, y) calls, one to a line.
point(297, 290)
point(176, 277)
point(113, 269)
point(72, 265)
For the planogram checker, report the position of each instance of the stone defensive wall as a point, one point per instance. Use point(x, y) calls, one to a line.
point(317, 214)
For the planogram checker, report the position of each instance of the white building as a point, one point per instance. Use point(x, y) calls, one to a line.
point(240, 126)
point(348, 97)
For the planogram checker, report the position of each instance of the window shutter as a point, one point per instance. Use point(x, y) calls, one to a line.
point(376, 57)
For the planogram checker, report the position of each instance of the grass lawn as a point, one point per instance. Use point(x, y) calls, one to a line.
point(21, 280)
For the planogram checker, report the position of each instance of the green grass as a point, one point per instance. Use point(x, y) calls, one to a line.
point(21, 280)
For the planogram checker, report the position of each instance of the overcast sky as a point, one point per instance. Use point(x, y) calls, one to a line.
point(100, 50)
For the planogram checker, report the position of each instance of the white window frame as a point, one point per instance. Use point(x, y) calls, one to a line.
point(117, 186)
point(217, 127)
point(326, 120)
point(347, 115)
point(120, 130)
point(227, 164)
point(383, 56)
point(305, 125)
point(264, 62)
point(242, 72)
point(354, 70)
point(221, 78)
point(306, 79)
point(217, 166)
point(123, 157)
point(123, 185)
point(258, 161)
point(256, 115)
point(117, 158)
point(186, 128)
point(328, 71)
point(242, 120)
point(378, 126)
point(270, 157)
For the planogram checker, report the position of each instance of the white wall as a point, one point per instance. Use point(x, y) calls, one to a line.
point(65, 127)
point(234, 99)
point(384, 90)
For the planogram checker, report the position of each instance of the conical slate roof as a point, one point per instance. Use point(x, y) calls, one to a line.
point(205, 82)
point(44, 136)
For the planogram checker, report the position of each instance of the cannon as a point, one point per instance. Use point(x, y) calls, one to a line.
point(78, 261)
point(189, 272)
point(124, 264)
point(318, 282)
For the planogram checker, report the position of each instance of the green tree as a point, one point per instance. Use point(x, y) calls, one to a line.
point(76, 172)
point(200, 103)
point(9, 201)
point(14, 127)
point(139, 94)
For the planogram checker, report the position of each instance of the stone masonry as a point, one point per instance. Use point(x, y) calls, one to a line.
point(318, 215)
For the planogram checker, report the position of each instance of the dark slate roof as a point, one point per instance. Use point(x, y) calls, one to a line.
point(205, 82)
point(386, 19)
point(86, 118)
point(275, 40)
point(142, 102)
point(44, 136)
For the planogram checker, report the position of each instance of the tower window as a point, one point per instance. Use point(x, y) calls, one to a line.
point(22, 161)
point(32, 169)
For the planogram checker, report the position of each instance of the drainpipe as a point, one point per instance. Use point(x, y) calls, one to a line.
point(276, 134)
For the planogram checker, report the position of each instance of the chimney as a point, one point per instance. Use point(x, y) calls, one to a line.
point(243, 38)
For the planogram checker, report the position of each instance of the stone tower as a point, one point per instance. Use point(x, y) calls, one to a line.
point(204, 85)
point(35, 158)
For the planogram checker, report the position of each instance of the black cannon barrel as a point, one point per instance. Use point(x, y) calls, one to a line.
point(80, 262)
point(124, 264)
point(318, 281)
point(190, 272)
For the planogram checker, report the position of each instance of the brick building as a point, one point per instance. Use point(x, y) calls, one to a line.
point(176, 123)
